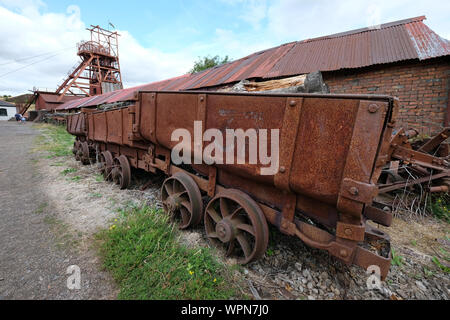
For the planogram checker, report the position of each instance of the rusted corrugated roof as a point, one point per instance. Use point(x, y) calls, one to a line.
point(388, 43)
point(51, 97)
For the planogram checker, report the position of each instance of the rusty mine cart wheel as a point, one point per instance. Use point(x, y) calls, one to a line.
point(235, 221)
point(77, 150)
point(84, 153)
point(182, 199)
point(76, 146)
point(105, 165)
point(121, 172)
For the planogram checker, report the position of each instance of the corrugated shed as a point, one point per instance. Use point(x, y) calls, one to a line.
point(388, 43)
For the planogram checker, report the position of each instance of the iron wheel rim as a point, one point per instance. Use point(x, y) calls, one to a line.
point(234, 221)
point(181, 199)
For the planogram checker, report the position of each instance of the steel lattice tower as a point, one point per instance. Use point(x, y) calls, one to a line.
point(99, 69)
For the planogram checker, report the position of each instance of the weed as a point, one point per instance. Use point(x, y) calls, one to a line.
point(414, 242)
point(428, 273)
point(445, 254)
point(440, 265)
point(440, 208)
point(74, 179)
point(95, 195)
point(397, 260)
point(57, 164)
point(41, 208)
point(65, 172)
point(50, 220)
point(147, 261)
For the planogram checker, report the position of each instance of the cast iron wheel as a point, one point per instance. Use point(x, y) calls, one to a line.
point(182, 200)
point(84, 156)
point(78, 152)
point(121, 172)
point(76, 146)
point(235, 221)
point(105, 165)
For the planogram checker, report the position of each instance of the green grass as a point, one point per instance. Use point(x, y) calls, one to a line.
point(143, 254)
point(440, 265)
point(41, 208)
point(65, 172)
point(440, 208)
point(95, 195)
point(55, 140)
point(397, 260)
point(74, 179)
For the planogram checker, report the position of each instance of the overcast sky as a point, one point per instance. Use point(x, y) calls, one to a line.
point(162, 39)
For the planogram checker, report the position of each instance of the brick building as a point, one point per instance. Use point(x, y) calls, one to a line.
point(402, 58)
point(421, 86)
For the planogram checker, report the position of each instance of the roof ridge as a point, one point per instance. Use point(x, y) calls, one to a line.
point(366, 29)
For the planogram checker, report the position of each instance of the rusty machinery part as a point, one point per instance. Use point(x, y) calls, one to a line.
point(76, 146)
point(121, 172)
point(234, 220)
point(182, 200)
point(85, 153)
point(409, 167)
point(106, 164)
point(79, 154)
point(77, 150)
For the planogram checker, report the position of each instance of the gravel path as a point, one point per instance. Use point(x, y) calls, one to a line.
point(32, 265)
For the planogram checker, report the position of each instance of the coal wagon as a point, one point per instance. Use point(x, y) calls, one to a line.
point(331, 152)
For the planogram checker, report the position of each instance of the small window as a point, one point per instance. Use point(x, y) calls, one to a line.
point(3, 112)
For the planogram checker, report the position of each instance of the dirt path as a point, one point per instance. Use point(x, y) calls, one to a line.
point(32, 264)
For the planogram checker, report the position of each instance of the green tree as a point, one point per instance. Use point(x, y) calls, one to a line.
point(208, 62)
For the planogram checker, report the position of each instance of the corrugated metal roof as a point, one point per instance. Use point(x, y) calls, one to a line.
point(391, 42)
point(51, 97)
point(6, 104)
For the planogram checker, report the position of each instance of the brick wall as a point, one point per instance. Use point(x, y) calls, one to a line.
point(422, 87)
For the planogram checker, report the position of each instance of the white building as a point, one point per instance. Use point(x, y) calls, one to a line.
point(7, 110)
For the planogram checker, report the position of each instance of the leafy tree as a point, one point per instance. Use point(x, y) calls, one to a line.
point(208, 62)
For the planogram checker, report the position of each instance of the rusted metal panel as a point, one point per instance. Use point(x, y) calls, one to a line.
point(100, 126)
point(325, 129)
point(426, 42)
point(114, 124)
point(76, 124)
point(169, 107)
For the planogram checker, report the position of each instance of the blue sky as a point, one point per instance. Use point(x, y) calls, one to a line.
point(162, 39)
point(168, 25)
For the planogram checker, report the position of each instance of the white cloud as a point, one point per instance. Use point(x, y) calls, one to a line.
point(253, 11)
point(52, 37)
point(300, 19)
